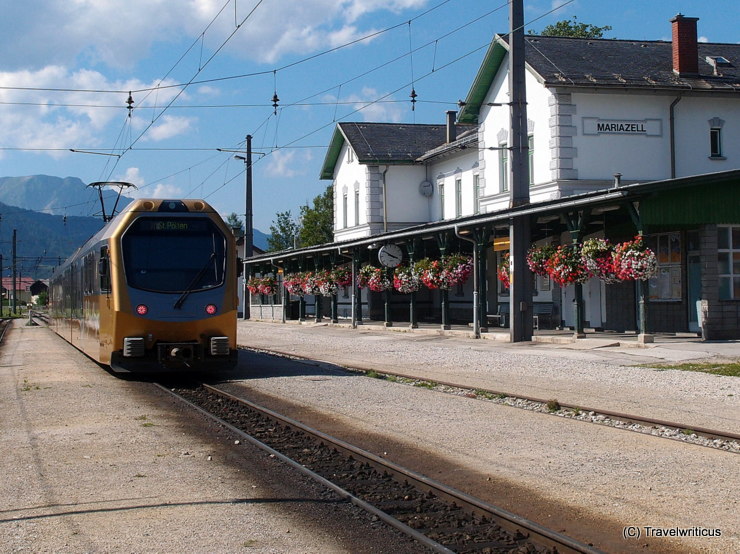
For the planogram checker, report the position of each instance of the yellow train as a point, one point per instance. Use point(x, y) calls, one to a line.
point(155, 289)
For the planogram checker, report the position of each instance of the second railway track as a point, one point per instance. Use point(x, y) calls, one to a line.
point(441, 518)
point(711, 438)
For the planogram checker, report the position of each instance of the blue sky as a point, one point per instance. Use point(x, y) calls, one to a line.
point(68, 66)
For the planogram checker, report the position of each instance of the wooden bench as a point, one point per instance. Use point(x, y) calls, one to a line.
point(499, 319)
point(542, 313)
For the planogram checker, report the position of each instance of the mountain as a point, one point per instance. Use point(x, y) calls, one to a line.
point(42, 240)
point(260, 239)
point(54, 195)
point(51, 219)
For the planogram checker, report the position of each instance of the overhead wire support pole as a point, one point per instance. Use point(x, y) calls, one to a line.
point(522, 323)
point(14, 305)
point(248, 229)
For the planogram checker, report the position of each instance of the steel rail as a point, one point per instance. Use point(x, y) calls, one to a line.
point(619, 416)
point(505, 519)
point(403, 528)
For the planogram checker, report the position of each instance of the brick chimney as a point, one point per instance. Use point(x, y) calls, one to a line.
point(451, 128)
point(685, 47)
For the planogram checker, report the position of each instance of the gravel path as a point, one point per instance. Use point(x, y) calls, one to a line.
point(581, 471)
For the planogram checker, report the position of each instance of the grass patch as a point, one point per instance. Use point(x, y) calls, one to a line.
point(373, 374)
point(728, 369)
point(552, 406)
point(426, 384)
point(28, 386)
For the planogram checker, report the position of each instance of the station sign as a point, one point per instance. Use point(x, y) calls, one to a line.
point(645, 127)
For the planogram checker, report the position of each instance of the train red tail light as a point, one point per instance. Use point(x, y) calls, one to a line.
point(211, 309)
point(142, 309)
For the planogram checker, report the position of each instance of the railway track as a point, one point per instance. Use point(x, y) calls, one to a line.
point(711, 438)
point(439, 517)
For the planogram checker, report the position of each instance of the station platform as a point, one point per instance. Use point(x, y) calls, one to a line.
point(92, 462)
point(604, 370)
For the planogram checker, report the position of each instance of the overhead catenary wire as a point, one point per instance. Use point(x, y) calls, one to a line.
point(336, 102)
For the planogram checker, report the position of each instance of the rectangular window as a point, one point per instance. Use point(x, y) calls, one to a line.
point(476, 194)
point(458, 197)
point(503, 167)
point(350, 155)
point(667, 284)
point(530, 158)
point(441, 188)
point(715, 142)
point(728, 262)
point(357, 208)
point(344, 210)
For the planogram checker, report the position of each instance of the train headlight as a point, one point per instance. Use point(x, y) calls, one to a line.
point(142, 309)
point(211, 309)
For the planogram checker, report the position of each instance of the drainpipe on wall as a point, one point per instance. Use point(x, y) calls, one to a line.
point(476, 305)
point(672, 131)
point(284, 293)
point(385, 202)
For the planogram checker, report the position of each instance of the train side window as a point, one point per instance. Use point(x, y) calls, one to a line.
point(103, 271)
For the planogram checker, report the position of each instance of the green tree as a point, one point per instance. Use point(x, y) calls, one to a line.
point(233, 221)
point(43, 298)
point(282, 232)
point(573, 28)
point(317, 222)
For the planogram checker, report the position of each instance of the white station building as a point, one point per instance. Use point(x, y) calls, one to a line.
point(657, 122)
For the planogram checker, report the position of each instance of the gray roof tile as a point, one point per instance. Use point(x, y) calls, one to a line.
point(626, 63)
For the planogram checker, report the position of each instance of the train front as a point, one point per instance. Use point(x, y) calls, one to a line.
point(174, 267)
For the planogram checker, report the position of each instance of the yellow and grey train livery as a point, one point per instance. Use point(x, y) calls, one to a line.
point(154, 289)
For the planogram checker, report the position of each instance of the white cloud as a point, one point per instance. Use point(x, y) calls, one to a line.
point(205, 90)
point(45, 119)
point(160, 190)
point(281, 163)
point(378, 111)
point(133, 176)
point(168, 126)
point(99, 32)
point(163, 190)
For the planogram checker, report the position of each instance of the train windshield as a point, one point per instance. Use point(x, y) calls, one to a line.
point(174, 254)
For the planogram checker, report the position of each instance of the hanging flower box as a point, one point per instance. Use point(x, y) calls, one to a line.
point(430, 273)
point(503, 271)
point(253, 285)
point(458, 267)
point(342, 276)
point(537, 257)
point(634, 261)
point(326, 284)
point(312, 283)
point(267, 285)
point(373, 278)
point(406, 279)
point(566, 266)
point(293, 283)
point(598, 257)
point(445, 273)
